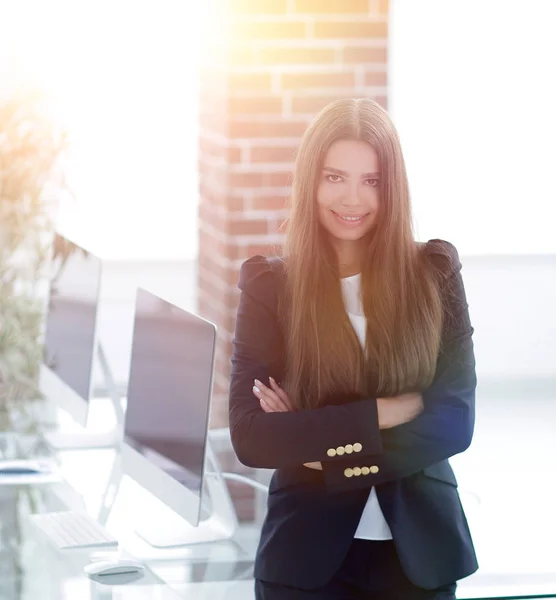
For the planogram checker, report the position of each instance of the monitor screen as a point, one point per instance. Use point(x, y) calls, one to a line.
point(69, 338)
point(169, 389)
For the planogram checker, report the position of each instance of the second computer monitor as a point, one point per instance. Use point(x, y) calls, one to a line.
point(70, 327)
point(169, 391)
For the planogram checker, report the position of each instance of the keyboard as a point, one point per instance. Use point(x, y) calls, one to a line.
point(71, 529)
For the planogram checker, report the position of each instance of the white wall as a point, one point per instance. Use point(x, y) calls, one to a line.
point(121, 77)
point(472, 92)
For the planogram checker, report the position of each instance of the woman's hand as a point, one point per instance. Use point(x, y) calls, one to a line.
point(397, 410)
point(314, 465)
point(272, 399)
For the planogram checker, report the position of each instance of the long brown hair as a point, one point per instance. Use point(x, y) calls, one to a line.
point(400, 293)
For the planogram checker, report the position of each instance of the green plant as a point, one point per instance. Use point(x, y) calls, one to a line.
point(30, 182)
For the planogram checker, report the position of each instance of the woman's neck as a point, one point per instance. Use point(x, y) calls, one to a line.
point(349, 259)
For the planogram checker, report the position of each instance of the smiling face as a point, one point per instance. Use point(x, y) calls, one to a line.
point(348, 194)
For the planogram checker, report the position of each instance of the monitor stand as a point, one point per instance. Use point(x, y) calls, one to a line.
point(84, 438)
point(166, 533)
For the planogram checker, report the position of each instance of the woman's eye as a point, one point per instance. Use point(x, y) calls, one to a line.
point(372, 182)
point(334, 178)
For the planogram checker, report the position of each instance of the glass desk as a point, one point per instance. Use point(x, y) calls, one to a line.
point(31, 568)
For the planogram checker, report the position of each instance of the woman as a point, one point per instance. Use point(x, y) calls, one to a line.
point(354, 377)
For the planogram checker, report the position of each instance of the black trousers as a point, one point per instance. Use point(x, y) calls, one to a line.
point(370, 571)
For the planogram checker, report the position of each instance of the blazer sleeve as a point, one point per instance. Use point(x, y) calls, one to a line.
point(445, 427)
point(282, 439)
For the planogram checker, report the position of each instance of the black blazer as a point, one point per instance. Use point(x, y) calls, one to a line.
point(312, 515)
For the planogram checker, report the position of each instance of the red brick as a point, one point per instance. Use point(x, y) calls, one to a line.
point(219, 388)
point(211, 121)
point(383, 101)
point(376, 78)
point(277, 226)
point(215, 246)
point(244, 30)
point(210, 170)
point(232, 275)
point(219, 419)
point(292, 81)
point(212, 202)
point(312, 104)
point(222, 366)
point(241, 55)
point(233, 154)
point(245, 180)
point(236, 204)
point(207, 308)
point(255, 105)
point(264, 249)
point(278, 179)
point(233, 301)
point(209, 147)
point(248, 227)
point(268, 128)
point(210, 198)
point(383, 6)
point(227, 347)
point(247, 82)
point(229, 323)
point(232, 252)
point(259, 179)
point(212, 290)
point(296, 56)
point(269, 203)
point(242, 253)
point(260, 7)
point(344, 7)
point(351, 29)
point(212, 77)
point(274, 154)
point(208, 213)
point(209, 264)
point(362, 55)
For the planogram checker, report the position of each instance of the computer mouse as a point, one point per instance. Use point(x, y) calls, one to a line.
point(114, 567)
point(23, 467)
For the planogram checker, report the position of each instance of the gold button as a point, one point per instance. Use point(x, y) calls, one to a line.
point(357, 447)
point(348, 472)
point(374, 469)
point(356, 471)
point(349, 449)
point(331, 452)
point(340, 450)
point(365, 470)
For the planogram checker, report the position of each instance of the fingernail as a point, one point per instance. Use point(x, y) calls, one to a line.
point(257, 382)
point(272, 379)
point(256, 389)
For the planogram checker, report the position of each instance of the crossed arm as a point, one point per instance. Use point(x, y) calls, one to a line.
point(391, 411)
point(288, 439)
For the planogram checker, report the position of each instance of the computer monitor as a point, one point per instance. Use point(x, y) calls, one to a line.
point(166, 423)
point(70, 329)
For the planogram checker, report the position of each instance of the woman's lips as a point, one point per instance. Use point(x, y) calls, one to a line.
point(349, 220)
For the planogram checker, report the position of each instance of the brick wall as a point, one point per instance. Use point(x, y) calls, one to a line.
point(271, 67)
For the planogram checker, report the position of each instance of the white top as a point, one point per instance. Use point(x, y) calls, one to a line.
point(372, 525)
